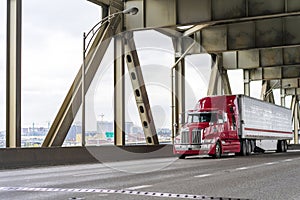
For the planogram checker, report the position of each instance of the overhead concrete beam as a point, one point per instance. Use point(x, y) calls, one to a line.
point(263, 33)
point(269, 73)
point(158, 13)
point(267, 57)
point(115, 3)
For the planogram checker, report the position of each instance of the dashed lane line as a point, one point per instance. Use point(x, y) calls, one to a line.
point(138, 187)
point(203, 175)
point(108, 191)
point(242, 168)
point(93, 173)
point(250, 167)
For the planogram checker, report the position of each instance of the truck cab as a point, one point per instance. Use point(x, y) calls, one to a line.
point(210, 129)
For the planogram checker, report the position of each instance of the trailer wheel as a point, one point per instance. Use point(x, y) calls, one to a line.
point(280, 146)
point(218, 150)
point(284, 145)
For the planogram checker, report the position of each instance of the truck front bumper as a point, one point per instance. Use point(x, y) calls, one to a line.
point(189, 149)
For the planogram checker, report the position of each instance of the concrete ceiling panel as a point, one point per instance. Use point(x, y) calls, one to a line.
point(228, 9)
point(214, 38)
point(271, 57)
point(292, 91)
point(256, 74)
point(291, 55)
point(292, 35)
point(293, 5)
point(241, 35)
point(191, 11)
point(266, 7)
point(229, 60)
point(248, 59)
point(272, 73)
point(291, 72)
point(269, 32)
point(160, 13)
point(289, 83)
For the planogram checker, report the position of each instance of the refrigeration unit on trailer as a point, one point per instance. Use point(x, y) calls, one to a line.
point(234, 124)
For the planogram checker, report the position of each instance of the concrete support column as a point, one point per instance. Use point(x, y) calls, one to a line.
point(119, 90)
point(140, 92)
point(178, 87)
point(13, 74)
point(282, 97)
point(246, 82)
point(267, 92)
point(219, 82)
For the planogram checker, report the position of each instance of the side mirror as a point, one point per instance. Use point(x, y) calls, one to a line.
point(225, 117)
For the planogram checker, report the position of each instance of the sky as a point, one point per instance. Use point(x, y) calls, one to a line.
point(52, 55)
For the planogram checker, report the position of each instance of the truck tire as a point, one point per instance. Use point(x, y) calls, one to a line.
point(285, 145)
point(280, 146)
point(181, 157)
point(218, 150)
point(248, 147)
point(244, 148)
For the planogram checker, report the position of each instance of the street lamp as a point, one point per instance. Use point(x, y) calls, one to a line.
point(91, 34)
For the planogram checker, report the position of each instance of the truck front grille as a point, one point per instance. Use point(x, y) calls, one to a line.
point(196, 136)
point(185, 137)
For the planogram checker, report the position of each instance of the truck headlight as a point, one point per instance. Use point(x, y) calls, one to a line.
point(210, 141)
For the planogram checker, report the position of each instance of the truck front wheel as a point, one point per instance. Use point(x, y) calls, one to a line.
point(218, 150)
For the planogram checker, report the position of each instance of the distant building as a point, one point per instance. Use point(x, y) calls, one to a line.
point(104, 126)
point(74, 129)
point(137, 130)
point(128, 127)
point(164, 132)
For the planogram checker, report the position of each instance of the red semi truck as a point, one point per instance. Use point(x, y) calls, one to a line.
point(233, 124)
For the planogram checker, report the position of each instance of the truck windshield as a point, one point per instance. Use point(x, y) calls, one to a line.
point(202, 117)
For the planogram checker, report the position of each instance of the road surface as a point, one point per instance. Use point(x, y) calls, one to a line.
point(261, 176)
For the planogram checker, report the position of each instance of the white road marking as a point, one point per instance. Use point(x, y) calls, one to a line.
point(270, 163)
point(223, 159)
point(93, 173)
point(108, 191)
point(242, 168)
point(203, 175)
point(138, 187)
